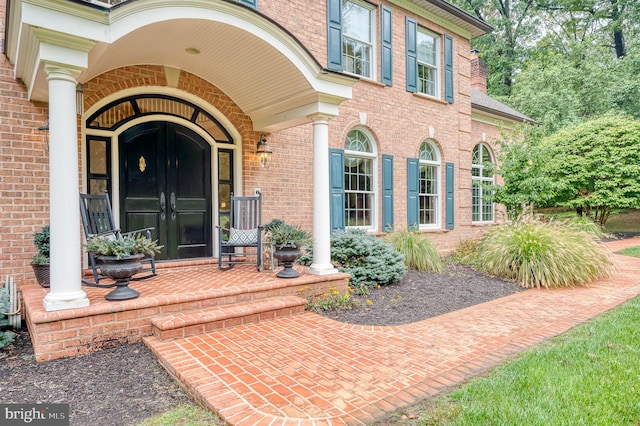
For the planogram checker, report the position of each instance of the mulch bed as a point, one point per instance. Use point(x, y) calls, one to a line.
point(125, 385)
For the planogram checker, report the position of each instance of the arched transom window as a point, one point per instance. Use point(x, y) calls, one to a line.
point(429, 184)
point(359, 180)
point(481, 176)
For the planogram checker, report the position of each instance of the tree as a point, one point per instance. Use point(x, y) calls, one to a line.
point(515, 26)
point(596, 165)
point(521, 164)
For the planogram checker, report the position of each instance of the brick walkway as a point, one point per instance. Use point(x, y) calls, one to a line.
point(309, 370)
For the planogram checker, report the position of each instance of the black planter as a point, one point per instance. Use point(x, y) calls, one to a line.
point(121, 270)
point(287, 256)
point(42, 273)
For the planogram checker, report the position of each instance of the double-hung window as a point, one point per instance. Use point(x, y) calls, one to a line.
point(429, 185)
point(357, 38)
point(425, 69)
point(359, 180)
point(481, 205)
point(428, 63)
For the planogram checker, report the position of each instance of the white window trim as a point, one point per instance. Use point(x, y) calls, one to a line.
point(438, 164)
point(481, 180)
point(438, 66)
point(374, 157)
point(373, 29)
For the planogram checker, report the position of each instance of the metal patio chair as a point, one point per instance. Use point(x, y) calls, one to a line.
point(97, 221)
point(241, 242)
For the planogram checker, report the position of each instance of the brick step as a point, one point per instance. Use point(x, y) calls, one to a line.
point(190, 323)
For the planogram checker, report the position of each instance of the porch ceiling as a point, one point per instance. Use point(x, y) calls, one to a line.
point(260, 66)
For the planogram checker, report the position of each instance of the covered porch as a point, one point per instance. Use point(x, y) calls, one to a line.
point(54, 50)
point(185, 298)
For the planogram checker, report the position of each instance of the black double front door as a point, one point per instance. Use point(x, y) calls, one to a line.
point(165, 183)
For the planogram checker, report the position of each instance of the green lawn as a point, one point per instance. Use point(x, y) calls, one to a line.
point(631, 251)
point(619, 221)
point(587, 376)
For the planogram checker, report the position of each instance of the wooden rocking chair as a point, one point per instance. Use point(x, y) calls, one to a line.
point(242, 240)
point(97, 220)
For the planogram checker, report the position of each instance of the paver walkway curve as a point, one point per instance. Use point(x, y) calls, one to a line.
point(310, 370)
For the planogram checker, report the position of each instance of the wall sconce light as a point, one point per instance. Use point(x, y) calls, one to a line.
point(263, 151)
point(80, 99)
point(45, 128)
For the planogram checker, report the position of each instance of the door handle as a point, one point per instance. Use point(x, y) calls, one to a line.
point(173, 206)
point(163, 207)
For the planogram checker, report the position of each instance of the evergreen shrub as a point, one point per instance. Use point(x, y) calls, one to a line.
point(369, 260)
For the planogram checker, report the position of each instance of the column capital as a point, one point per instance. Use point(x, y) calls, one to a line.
point(320, 117)
point(57, 71)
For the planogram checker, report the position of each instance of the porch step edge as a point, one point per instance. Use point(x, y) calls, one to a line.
point(199, 321)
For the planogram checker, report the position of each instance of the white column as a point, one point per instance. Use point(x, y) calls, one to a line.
point(66, 269)
point(321, 199)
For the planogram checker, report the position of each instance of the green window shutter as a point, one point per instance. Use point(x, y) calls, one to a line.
point(449, 204)
point(250, 3)
point(387, 192)
point(413, 201)
point(448, 68)
point(412, 55)
point(336, 183)
point(334, 34)
point(387, 32)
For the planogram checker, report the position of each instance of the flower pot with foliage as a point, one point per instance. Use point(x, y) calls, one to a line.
point(41, 260)
point(120, 260)
point(287, 240)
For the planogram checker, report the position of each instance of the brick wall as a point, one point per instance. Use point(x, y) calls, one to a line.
point(24, 172)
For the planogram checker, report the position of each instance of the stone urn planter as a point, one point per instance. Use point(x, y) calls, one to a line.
point(287, 240)
point(120, 259)
point(121, 270)
point(287, 257)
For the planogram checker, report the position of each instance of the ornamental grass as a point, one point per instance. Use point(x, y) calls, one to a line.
point(542, 254)
point(419, 253)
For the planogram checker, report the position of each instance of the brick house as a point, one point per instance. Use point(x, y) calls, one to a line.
point(376, 113)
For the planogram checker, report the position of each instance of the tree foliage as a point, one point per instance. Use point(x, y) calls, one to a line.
point(521, 164)
point(596, 165)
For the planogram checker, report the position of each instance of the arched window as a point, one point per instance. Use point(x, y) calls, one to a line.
point(359, 180)
point(429, 185)
point(481, 204)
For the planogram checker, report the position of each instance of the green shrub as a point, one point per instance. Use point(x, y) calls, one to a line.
point(369, 260)
point(6, 338)
point(538, 254)
point(41, 242)
point(419, 253)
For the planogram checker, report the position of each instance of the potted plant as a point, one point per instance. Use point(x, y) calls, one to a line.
point(40, 261)
point(120, 260)
point(287, 240)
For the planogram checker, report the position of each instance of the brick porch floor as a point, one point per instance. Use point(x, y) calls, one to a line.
point(189, 288)
point(308, 370)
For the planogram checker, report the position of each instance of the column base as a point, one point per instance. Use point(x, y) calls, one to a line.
point(58, 302)
point(322, 269)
